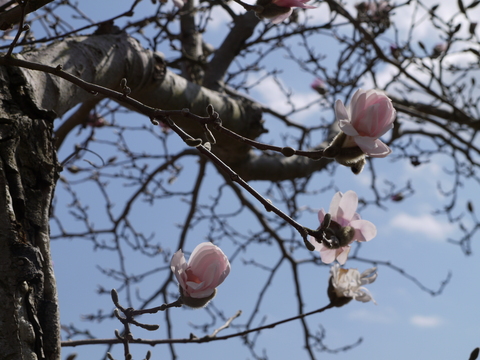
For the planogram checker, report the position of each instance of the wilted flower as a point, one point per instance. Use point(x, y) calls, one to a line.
point(198, 279)
point(279, 10)
point(319, 86)
point(345, 227)
point(347, 284)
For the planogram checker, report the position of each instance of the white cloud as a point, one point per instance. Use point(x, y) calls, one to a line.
point(426, 321)
point(220, 18)
point(320, 15)
point(268, 93)
point(379, 316)
point(426, 224)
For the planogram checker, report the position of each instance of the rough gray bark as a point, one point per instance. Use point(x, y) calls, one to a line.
point(29, 320)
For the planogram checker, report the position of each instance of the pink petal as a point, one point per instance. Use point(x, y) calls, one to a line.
point(364, 230)
point(342, 254)
point(341, 112)
point(334, 206)
point(293, 3)
point(348, 205)
point(321, 215)
point(178, 266)
point(355, 96)
point(365, 143)
point(347, 127)
point(373, 147)
point(327, 255)
point(314, 242)
point(198, 258)
point(357, 108)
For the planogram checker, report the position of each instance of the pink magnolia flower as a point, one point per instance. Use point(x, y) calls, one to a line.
point(346, 221)
point(288, 4)
point(369, 116)
point(207, 268)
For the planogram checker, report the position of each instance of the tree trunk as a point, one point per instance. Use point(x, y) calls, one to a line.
point(29, 318)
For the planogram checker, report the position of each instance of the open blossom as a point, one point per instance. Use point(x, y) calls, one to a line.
point(279, 10)
point(198, 279)
point(348, 284)
point(369, 116)
point(346, 225)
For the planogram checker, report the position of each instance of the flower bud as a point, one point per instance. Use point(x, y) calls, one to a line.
point(206, 269)
point(319, 86)
point(438, 50)
point(472, 27)
point(369, 116)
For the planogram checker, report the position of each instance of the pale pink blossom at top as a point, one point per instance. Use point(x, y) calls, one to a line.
point(342, 209)
point(289, 4)
point(369, 116)
point(207, 267)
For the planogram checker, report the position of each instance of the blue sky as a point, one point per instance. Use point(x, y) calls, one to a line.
point(406, 323)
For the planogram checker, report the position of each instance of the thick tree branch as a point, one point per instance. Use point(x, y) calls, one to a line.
point(106, 59)
point(230, 48)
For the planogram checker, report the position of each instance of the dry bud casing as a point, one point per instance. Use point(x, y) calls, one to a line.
point(352, 156)
point(270, 10)
point(337, 301)
point(196, 303)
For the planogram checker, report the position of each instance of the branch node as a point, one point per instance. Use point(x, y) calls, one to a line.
point(288, 151)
